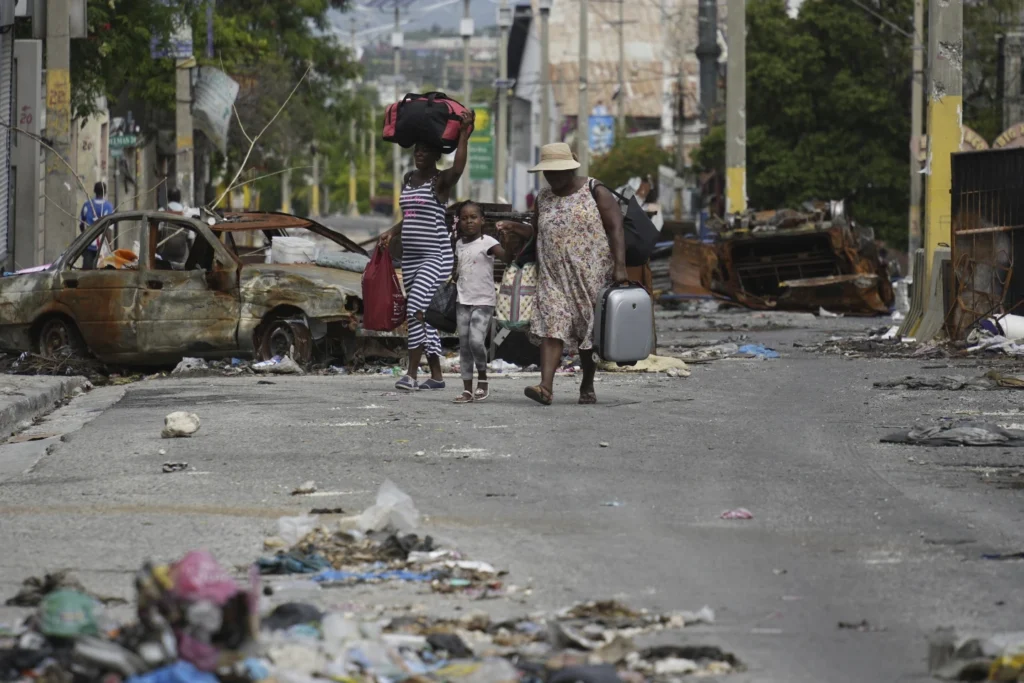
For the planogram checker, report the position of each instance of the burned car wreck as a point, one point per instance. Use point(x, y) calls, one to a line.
point(175, 286)
point(787, 260)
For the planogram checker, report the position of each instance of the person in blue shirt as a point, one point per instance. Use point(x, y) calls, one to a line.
point(93, 210)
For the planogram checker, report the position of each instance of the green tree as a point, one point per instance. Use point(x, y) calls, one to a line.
point(983, 23)
point(628, 158)
point(827, 109)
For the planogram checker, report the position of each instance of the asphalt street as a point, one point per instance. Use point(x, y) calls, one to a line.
point(845, 528)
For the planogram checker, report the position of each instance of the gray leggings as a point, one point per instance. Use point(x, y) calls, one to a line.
point(474, 322)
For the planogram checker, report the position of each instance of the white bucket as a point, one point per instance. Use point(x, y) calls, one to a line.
point(292, 250)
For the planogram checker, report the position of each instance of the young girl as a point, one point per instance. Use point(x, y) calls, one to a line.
point(475, 282)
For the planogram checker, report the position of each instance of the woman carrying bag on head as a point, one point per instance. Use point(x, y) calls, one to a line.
point(580, 251)
point(427, 258)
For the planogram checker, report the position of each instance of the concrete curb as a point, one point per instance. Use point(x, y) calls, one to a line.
point(38, 395)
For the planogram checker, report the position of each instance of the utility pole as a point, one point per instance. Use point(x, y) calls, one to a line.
point(373, 154)
point(185, 161)
point(545, 73)
point(945, 103)
point(501, 144)
point(314, 201)
point(916, 115)
point(583, 115)
point(353, 206)
point(466, 30)
point(396, 152)
point(620, 110)
point(736, 106)
point(60, 226)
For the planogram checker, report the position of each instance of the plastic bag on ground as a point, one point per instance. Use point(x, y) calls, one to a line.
point(393, 508)
point(198, 576)
point(293, 529)
point(188, 365)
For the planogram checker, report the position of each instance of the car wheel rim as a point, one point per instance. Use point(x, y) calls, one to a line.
point(280, 340)
point(54, 338)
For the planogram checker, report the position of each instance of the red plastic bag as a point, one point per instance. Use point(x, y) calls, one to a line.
point(383, 300)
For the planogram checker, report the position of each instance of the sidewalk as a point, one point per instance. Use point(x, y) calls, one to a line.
point(24, 397)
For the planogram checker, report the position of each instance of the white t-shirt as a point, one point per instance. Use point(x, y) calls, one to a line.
point(476, 272)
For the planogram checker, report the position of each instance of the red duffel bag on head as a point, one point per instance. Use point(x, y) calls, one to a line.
point(383, 300)
point(432, 118)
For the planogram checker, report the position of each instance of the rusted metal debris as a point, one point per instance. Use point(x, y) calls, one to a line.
point(987, 237)
point(220, 302)
point(786, 260)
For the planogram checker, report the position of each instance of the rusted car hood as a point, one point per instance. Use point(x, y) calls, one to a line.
point(320, 292)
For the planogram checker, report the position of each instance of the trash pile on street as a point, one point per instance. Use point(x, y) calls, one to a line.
point(65, 363)
point(197, 624)
point(994, 657)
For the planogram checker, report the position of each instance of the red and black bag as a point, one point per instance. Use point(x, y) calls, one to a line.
point(432, 118)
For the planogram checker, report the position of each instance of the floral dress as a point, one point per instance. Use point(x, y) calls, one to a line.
point(574, 263)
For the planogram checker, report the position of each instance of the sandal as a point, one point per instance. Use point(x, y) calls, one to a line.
point(464, 397)
point(588, 398)
point(482, 392)
point(538, 394)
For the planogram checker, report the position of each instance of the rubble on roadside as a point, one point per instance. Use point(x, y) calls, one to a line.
point(197, 624)
point(993, 379)
point(787, 259)
point(995, 657)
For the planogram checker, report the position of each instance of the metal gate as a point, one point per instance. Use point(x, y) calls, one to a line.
point(988, 242)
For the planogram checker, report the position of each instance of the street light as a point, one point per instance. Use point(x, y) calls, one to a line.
point(545, 73)
point(504, 24)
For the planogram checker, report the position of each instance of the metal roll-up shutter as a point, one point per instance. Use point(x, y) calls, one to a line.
point(6, 114)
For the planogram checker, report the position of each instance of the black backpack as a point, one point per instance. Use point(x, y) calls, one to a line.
point(638, 229)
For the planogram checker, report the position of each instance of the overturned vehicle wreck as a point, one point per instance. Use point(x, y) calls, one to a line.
point(787, 260)
point(176, 286)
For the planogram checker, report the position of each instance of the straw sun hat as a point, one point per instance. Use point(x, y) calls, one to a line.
point(556, 157)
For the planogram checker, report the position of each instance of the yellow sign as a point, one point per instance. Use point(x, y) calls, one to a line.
point(483, 121)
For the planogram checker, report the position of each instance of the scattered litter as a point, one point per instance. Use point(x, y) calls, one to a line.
point(180, 424)
point(946, 383)
point(502, 366)
point(1003, 556)
point(994, 657)
point(190, 365)
point(650, 364)
point(162, 451)
point(279, 365)
point(603, 444)
point(822, 313)
point(757, 351)
point(169, 467)
point(394, 508)
point(612, 504)
point(292, 529)
point(966, 433)
point(738, 513)
point(863, 626)
point(305, 489)
point(326, 511)
point(420, 453)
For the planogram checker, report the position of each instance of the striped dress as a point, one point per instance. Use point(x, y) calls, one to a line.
point(426, 258)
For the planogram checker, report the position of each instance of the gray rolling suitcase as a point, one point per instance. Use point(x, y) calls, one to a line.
point(624, 324)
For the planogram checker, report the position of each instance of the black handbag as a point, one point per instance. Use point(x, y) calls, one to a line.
point(639, 231)
point(441, 313)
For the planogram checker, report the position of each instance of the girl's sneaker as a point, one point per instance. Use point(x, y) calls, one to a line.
point(431, 384)
point(407, 383)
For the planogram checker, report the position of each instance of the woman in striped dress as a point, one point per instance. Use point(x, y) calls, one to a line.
point(426, 249)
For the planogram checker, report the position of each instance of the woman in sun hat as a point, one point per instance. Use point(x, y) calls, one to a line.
point(580, 251)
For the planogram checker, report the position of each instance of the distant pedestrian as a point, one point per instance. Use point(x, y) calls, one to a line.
point(580, 251)
point(475, 253)
point(426, 249)
point(93, 210)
